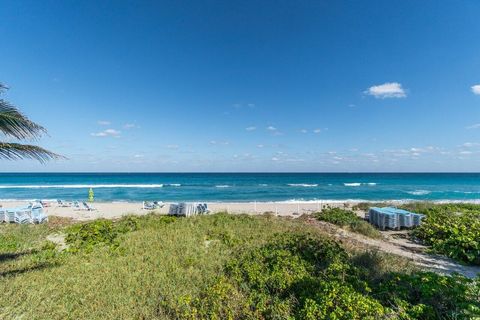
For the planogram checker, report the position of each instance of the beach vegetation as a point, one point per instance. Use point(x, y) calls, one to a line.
point(214, 267)
point(348, 219)
point(99, 232)
point(450, 229)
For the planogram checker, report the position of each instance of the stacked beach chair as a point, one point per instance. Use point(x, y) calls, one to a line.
point(393, 218)
point(188, 209)
point(32, 213)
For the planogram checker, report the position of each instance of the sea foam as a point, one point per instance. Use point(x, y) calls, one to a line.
point(419, 192)
point(80, 186)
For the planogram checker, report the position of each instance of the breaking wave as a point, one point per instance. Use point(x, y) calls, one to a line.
point(80, 186)
point(419, 192)
point(358, 184)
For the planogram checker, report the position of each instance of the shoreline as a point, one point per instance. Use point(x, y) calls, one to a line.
point(289, 201)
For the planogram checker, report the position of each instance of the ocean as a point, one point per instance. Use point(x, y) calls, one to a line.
point(242, 187)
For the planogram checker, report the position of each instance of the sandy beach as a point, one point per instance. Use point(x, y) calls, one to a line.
point(110, 210)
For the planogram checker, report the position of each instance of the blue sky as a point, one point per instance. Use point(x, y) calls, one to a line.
point(247, 85)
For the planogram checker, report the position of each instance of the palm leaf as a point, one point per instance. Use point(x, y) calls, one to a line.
point(15, 124)
point(16, 151)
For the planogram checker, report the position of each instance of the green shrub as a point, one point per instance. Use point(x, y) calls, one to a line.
point(348, 218)
point(99, 232)
point(299, 276)
point(453, 230)
point(427, 295)
point(295, 276)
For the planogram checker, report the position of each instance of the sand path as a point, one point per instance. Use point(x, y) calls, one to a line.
point(400, 247)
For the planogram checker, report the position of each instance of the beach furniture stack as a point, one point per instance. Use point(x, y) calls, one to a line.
point(393, 218)
point(32, 213)
point(188, 209)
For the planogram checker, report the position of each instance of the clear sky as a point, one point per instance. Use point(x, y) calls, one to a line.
point(247, 85)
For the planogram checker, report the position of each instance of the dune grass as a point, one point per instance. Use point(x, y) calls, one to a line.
point(157, 267)
point(151, 267)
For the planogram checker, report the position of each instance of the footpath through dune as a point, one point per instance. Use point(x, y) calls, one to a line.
point(398, 246)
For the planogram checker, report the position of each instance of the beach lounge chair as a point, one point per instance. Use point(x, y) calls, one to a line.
point(38, 215)
point(148, 206)
point(202, 208)
point(173, 209)
point(3, 214)
point(158, 204)
point(76, 206)
point(44, 203)
point(10, 216)
point(88, 207)
point(64, 204)
point(21, 216)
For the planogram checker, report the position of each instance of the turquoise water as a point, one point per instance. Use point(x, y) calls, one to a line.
point(241, 186)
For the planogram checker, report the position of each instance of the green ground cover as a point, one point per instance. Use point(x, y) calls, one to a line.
point(348, 219)
point(214, 267)
point(451, 229)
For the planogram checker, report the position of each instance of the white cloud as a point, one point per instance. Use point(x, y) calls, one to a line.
point(274, 131)
point(476, 89)
point(260, 146)
point(103, 122)
point(387, 90)
point(107, 133)
point(129, 126)
point(252, 128)
point(470, 144)
point(138, 156)
point(275, 159)
point(304, 131)
point(224, 143)
point(465, 152)
point(172, 146)
point(474, 126)
point(294, 160)
point(244, 105)
point(317, 130)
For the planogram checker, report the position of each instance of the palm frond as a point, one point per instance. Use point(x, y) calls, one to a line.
point(16, 151)
point(15, 124)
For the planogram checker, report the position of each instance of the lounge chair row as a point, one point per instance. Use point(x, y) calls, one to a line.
point(188, 209)
point(77, 205)
point(31, 214)
point(83, 206)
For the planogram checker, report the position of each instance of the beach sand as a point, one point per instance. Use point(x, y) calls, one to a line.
point(110, 210)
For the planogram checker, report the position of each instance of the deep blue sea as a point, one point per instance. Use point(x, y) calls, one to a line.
point(241, 186)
